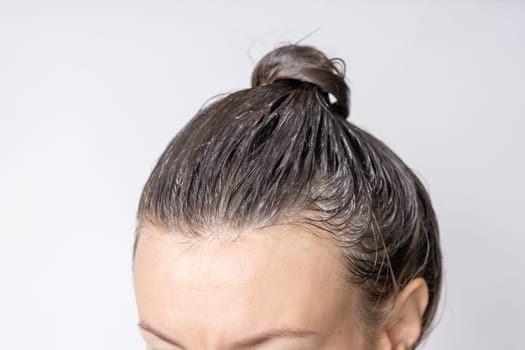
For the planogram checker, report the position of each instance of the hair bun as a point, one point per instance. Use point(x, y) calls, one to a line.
point(307, 64)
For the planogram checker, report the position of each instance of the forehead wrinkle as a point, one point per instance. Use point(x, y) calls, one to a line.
point(244, 291)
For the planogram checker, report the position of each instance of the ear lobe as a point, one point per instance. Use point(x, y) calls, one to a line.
point(405, 323)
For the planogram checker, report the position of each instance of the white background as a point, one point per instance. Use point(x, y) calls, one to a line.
point(91, 92)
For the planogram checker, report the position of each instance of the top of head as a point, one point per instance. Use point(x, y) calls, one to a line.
point(307, 64)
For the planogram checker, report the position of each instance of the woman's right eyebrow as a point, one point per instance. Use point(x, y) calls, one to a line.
point(249, 342)
point(146, 327)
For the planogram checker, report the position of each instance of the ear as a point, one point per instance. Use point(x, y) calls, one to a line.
point(404, 324)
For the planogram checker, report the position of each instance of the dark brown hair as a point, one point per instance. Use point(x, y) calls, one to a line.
point(284, 151)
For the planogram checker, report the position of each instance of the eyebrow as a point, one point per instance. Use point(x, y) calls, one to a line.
point(272, 334)
point(257, 339)
point(159, 334)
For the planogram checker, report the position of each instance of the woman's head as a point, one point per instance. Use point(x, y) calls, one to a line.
point(271, 210)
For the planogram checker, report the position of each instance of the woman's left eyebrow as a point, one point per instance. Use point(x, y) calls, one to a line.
point(270, 335)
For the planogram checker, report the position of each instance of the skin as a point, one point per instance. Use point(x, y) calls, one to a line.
point(277, 288)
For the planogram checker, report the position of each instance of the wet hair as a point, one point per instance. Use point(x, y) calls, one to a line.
point(284, 151)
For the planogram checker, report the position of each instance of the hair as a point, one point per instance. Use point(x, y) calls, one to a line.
point(284, 151)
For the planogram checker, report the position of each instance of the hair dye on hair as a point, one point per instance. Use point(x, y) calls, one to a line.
point(285, 151)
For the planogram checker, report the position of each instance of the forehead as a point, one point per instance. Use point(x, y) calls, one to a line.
point(277, 276)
